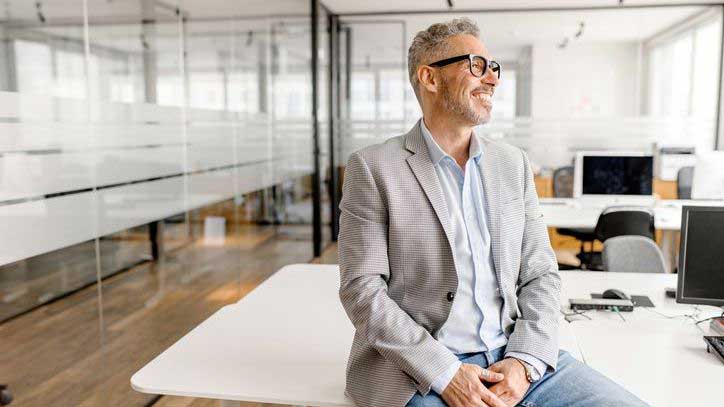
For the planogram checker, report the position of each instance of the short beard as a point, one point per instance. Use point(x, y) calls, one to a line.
point(463, 110)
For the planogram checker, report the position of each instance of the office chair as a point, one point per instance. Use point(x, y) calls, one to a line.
point(684, 180)
point(625, 220)
point(632, 254)
point(619, 221)
point(5, 396)
point(563, 182)
point(563, 188)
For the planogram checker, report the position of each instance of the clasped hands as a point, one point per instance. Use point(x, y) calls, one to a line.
point(506, 380)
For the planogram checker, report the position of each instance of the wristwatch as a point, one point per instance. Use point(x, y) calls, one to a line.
point(530, 372)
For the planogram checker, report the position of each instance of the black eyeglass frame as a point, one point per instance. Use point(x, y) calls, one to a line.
point(495, 66)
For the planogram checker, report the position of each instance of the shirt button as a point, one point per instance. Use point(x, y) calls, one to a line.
point(450, 296)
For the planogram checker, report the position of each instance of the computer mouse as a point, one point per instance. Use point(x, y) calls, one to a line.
point(614, 294)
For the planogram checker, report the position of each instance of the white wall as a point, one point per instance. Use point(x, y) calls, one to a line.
point(585, 80)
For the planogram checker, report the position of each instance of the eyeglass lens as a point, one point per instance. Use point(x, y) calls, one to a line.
point(478, 66)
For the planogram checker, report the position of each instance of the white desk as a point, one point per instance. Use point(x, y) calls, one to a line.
point(575, 213)
point(287, 342)
point(583, 214)
point(662, 360)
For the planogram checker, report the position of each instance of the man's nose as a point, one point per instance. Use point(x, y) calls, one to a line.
point(490, 77)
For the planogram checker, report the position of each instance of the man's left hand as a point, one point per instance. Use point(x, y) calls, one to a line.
point(513, 387)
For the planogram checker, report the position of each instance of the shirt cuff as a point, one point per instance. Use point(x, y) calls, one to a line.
point(441, 382)
point(538, 365)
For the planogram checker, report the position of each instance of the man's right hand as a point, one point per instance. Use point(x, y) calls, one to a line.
point(466, 389)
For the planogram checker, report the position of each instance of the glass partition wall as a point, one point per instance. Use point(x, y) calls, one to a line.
point(156, 163)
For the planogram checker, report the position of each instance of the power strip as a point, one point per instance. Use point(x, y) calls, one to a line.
point(585, 304)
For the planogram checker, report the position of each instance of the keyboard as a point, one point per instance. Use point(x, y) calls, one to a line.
point(715, 345)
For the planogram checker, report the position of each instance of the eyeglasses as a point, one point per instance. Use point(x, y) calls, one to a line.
point(477, 63)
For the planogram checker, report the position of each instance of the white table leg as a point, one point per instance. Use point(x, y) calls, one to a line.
point(668, 241)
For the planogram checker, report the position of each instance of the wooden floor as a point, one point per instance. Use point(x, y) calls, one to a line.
point(60, 355)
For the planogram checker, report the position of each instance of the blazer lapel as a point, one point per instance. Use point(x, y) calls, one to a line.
point(490, 174)
point(424, 171)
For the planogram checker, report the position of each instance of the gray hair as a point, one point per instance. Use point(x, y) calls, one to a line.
point(432, 43)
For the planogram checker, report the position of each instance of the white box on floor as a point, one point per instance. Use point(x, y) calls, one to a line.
point(214, 231)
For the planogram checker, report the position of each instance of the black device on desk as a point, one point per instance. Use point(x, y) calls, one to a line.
point(586, 304)
point(715, 345)
point(614, 294)
point(701, 263)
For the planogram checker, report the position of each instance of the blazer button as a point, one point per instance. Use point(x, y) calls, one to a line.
point(450, 296)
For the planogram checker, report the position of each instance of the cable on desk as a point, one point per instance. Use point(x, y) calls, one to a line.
point(615, 309)
point(709, 319)
point(693, 315)
point(575, 313)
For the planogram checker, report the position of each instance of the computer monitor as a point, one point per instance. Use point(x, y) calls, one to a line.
point(613, 173)
point(701, 256)
point(708, 176)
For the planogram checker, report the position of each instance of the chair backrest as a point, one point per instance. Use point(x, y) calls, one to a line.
point(684, 180)
point(563, 182)
point(625, 220)
point(632, 254)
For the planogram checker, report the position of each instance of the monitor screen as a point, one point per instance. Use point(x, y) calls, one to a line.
point(618, 175)
point(701, 258)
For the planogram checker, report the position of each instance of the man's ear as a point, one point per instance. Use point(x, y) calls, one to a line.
point(427, 78)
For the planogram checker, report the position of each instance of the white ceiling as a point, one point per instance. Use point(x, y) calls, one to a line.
point(66, 9)
point(505, 33)
point(376, 6)
point(59, 10)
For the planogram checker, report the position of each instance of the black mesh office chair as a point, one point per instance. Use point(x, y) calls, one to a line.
point(563, 188)
point(684, 180)
point(620, 221)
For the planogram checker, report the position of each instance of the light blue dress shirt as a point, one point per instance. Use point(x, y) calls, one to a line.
point(474, 321)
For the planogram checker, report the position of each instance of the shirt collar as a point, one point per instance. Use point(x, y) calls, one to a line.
point(437, 153)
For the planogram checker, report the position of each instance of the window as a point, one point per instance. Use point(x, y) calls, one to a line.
point(504, 97)
point(363, 95)
point(681, 74)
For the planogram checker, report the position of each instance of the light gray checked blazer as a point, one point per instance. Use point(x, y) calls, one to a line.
point(397, 267)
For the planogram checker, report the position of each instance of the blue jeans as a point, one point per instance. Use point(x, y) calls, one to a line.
point(573, 384)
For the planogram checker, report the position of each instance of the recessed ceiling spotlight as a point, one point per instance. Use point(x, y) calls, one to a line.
point(39, 11)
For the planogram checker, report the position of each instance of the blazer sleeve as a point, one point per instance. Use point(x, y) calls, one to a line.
point(364, 273)
point(539, 285)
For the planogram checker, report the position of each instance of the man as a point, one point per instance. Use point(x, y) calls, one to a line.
point(446, 269)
